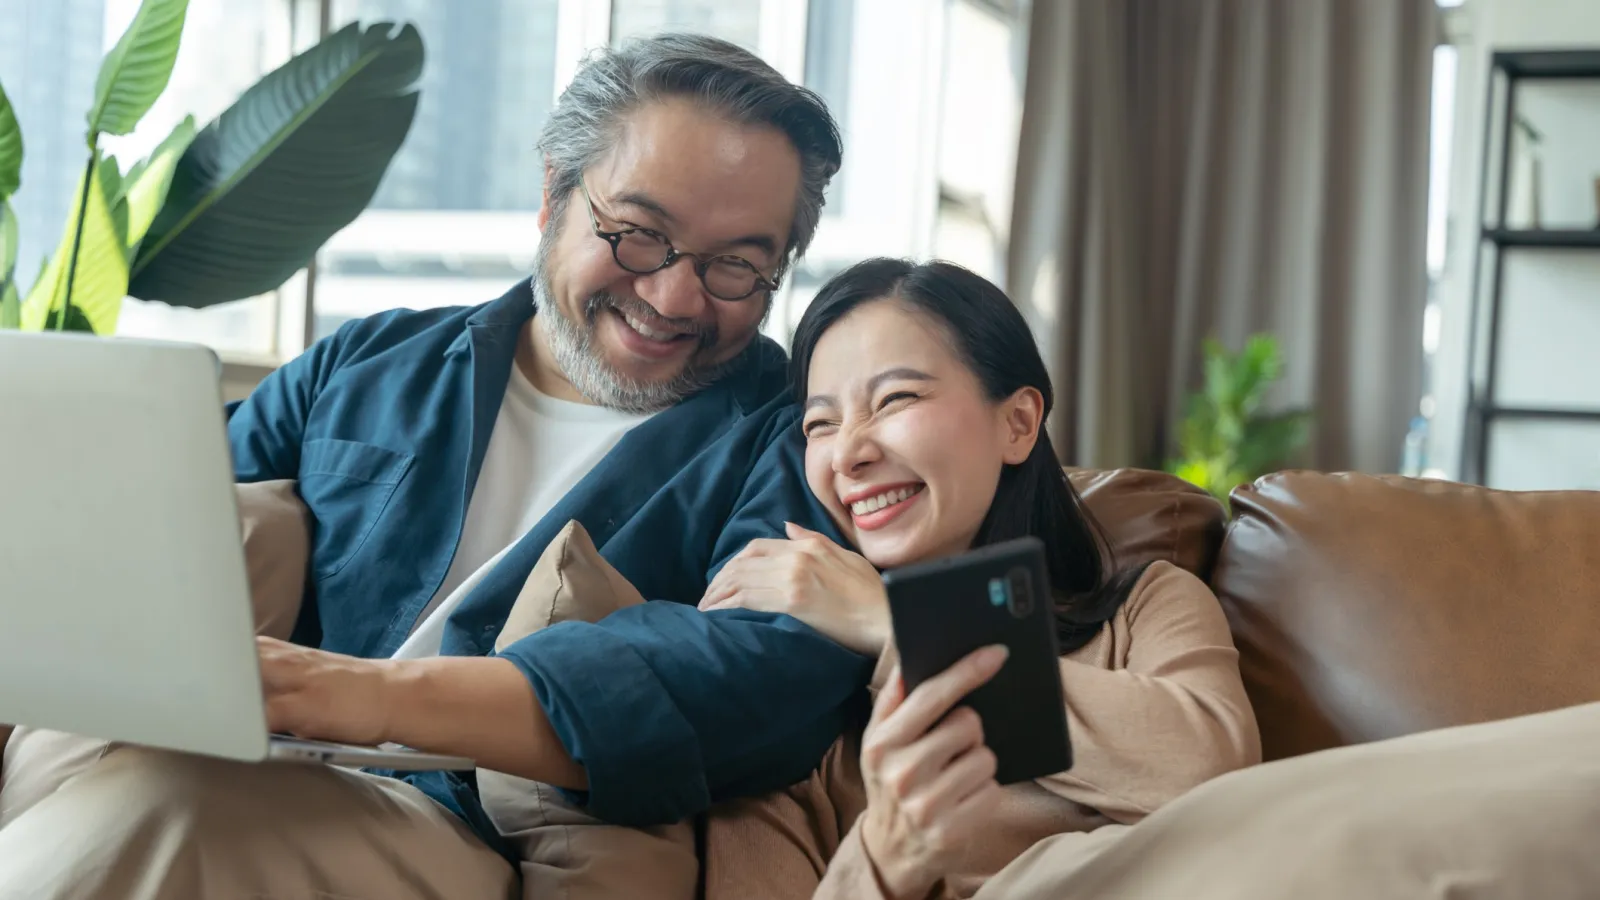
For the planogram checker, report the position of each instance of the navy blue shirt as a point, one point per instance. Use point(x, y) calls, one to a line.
point(384, 425)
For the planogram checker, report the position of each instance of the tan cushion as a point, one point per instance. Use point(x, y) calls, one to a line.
point(1495, 811)
point(571, 582)
point(1368, 607)
point(1148, 516)
point(276, 528)
point(564, 851)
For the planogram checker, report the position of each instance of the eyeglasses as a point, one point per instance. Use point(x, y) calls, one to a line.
point(642, 251)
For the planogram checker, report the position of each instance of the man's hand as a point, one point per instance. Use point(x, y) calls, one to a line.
point(832, 589)
point(324, 696)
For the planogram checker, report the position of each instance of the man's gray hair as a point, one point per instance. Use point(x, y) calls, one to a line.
point(723, 77)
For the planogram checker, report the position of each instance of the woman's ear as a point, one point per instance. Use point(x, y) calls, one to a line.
point(1021, 417)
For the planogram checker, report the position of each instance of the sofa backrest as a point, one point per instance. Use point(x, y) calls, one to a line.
point(1148, 515)
point(1368, 607)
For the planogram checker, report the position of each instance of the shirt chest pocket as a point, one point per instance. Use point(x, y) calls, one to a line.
point(347, 485)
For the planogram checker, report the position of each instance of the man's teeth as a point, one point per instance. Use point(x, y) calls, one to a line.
point(887, 498)
point(647, 331)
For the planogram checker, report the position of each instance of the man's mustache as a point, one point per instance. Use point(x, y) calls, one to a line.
point(705, 335)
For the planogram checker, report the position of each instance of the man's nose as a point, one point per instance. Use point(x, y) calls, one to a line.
point(674, 292)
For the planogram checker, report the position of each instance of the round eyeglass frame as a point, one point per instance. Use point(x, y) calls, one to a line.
point(702, 262)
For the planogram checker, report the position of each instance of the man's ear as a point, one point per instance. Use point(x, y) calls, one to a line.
point(544, 199)
point(1021, 417)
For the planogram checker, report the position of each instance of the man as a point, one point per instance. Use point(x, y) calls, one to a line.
point(624, 386)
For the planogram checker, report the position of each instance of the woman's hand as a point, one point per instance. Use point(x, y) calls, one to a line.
point(833, 590)
point(324, 696)
point(929, 776)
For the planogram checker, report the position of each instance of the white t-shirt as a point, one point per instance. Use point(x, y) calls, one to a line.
point(539, 450)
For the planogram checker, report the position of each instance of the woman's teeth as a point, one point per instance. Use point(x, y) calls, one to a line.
point(647, 331)
point(887, 498)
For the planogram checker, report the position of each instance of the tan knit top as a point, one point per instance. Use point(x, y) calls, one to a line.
point(1155, 706)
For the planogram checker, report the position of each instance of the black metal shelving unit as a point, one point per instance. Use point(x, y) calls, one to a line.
point(1507, 71)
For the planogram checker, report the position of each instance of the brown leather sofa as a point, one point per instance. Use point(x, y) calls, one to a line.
point(1369, 607)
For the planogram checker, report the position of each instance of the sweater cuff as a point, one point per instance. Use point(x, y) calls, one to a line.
point(851, 873)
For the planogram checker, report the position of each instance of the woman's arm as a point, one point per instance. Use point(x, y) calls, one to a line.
point(1176, 716)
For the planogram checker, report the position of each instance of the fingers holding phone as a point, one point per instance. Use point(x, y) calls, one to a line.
point(929, 775)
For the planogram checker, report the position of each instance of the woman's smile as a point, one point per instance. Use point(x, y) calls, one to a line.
point(874, 508)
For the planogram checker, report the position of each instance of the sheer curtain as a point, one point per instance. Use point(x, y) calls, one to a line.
point(1191, 169)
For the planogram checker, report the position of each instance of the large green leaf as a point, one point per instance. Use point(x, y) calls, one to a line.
point(10, 306)
point(137, 69)
point(102, 270)
point(148, 181)
point(10, 148)
point(293, 161)
point(8, 242)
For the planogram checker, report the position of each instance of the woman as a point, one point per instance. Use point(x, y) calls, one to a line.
point(924, 402)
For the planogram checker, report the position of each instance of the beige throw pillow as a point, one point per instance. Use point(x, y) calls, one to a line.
point(565, 852)
point(276, 527)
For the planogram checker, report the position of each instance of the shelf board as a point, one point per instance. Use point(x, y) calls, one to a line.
point(1529, 412)
point(1549, 63)
point(1560, 238)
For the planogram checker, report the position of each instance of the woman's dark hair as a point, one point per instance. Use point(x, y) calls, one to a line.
point(1033, 497)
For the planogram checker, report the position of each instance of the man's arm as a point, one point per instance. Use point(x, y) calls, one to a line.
point(472, 706)
point(669, 709)
point(666, 709)
point(658, 710)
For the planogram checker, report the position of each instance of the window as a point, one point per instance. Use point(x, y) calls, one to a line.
point(736, 22)
point(927, 163)
point(454, 221)
point(228, 45)
point(980, 118)
point(50, 54)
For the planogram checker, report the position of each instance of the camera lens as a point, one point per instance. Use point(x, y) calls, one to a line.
point(1021, 599)
point(997, 592)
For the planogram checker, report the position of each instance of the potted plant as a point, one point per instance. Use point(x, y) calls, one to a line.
point(1226, 439)
point(218, 213)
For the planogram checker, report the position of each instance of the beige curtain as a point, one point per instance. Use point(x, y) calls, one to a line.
point(1194, 168)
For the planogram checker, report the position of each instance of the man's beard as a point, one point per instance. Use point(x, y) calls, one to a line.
point(575, 350)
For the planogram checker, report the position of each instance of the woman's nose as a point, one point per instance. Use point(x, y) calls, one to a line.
point(854, 449)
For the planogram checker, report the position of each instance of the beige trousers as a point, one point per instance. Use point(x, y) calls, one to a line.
point(142, 824)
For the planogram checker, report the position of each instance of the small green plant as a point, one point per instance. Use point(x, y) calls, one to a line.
point(220, 213)
point(1225, 439)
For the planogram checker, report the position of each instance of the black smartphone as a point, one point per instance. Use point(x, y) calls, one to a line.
point(999, 594)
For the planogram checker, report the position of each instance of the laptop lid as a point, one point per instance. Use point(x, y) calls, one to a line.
point(124, 601)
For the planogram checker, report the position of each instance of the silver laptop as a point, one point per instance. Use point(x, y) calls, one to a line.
point(124, 602)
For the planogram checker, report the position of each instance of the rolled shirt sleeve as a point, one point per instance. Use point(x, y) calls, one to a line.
point(670, 709)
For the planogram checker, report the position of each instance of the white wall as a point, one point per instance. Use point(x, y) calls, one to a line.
point(1543, 286)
